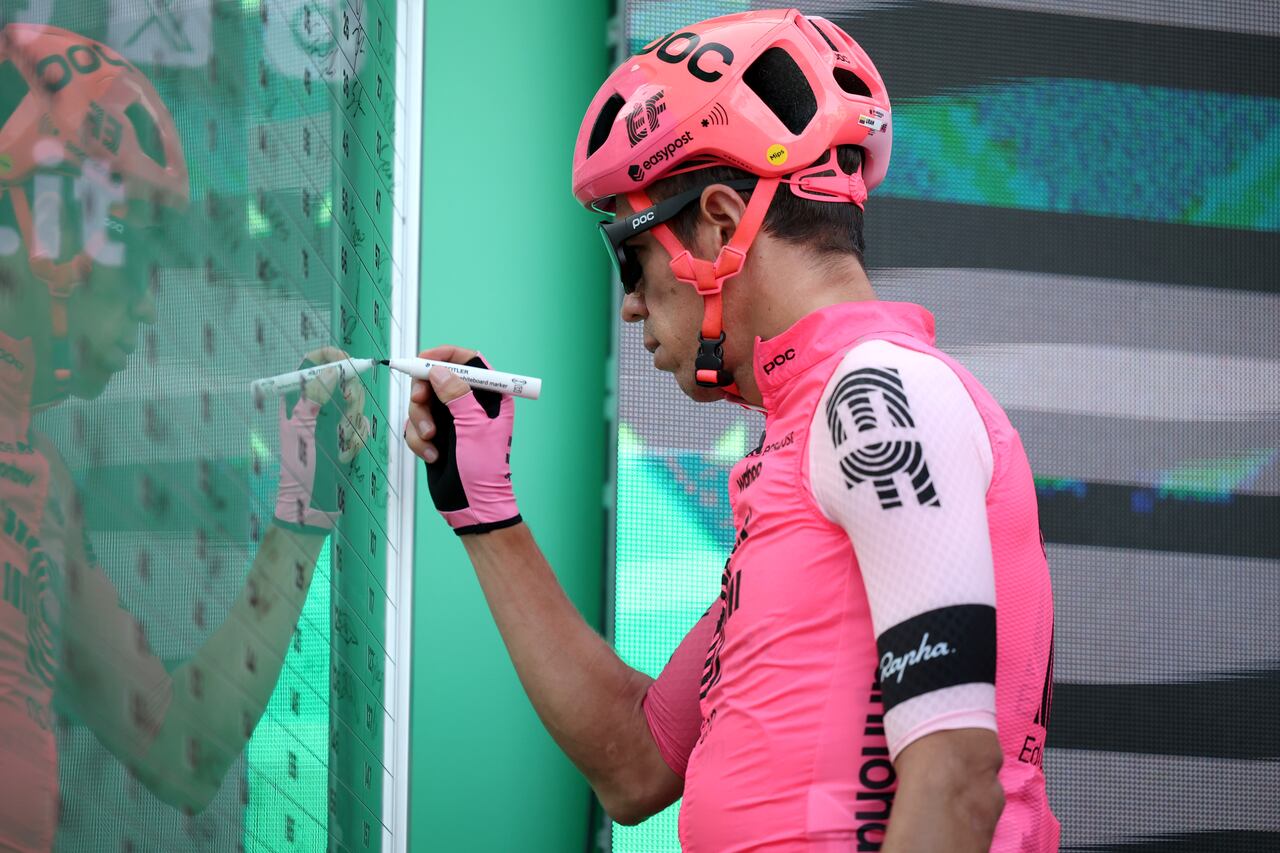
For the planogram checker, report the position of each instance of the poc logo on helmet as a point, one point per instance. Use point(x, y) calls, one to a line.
point(691, 41)
point(56, 70)
point(640, 220)
point(779, 360)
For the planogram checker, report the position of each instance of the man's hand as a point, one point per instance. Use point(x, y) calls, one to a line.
point(464, 436)
point(322, 429)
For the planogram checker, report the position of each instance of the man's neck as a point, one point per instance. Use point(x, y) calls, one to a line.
point(776, 304)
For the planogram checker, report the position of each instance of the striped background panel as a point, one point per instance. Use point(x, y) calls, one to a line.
point(1088, 200)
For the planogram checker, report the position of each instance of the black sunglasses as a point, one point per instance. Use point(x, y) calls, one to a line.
point(616, 233)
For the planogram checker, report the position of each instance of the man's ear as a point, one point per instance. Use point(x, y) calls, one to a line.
point(720, 211)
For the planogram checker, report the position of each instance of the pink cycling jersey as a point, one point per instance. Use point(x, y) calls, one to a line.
point(888, 581)
point(53, 593)
point(32, 547)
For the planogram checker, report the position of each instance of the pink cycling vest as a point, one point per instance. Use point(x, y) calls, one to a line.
point(32, 543)
point(792, 753)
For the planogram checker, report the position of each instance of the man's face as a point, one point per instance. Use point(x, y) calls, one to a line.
point(103, 317)
point(671, 312)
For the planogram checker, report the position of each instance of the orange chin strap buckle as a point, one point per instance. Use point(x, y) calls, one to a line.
point(708, 277)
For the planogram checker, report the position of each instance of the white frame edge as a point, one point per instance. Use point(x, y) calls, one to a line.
point(411, 32)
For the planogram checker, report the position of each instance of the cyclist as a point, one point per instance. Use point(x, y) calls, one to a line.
point(876, 672)
point(90, 167)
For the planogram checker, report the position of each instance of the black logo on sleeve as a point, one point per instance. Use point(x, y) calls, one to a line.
point(882, 461)
point(1032, 751)
point(643, 118)
point(940, 648)
point(876, 776)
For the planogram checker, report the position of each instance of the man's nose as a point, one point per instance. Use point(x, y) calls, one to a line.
point(633, 308)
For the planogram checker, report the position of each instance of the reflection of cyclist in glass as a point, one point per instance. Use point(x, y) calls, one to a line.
point(90, 168)
point(882, 640)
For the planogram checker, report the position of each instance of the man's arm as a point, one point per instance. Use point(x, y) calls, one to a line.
point(591, 702)
point(179, 732)
point(221, 692)
point(588, 699)
point(900, 458)
point(949, 795)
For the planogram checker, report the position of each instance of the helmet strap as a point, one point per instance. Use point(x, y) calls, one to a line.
point(60, 346)
point(61, 279)
point(709, 277)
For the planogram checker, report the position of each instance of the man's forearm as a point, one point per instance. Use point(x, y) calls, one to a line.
point(588, 699)
point(220, 693)
point(949, 795)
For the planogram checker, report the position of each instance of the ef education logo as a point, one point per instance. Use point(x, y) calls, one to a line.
point(643, 118)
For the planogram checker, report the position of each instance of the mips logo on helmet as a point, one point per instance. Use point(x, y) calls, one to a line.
point(643, 118)
point(666, 152)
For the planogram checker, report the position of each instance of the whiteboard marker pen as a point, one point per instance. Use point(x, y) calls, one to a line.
point(528, 387)
point(295, 379)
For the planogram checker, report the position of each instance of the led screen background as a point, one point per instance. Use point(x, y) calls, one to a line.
point(1087, 197)
point(287, 112)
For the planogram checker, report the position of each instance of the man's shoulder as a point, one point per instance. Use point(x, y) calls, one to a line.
point(917, 364)
point(893, 390)
point(890, 363)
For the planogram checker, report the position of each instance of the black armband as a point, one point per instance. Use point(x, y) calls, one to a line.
point(940, 648)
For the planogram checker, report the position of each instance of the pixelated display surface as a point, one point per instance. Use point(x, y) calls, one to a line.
point(253, 639)
point(1086, 196)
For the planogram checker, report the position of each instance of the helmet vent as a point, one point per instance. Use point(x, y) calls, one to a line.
point(604, 123)
point(779, 82)
point(851, 82)
point(12, 90)
point(825, 38)
point(148, 133)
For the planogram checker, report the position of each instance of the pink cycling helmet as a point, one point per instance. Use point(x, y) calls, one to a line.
point(78, 109)
point(769, 92)
point(773, 93)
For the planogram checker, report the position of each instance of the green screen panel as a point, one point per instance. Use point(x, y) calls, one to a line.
point(673, 535)
point(487, 777)
point(287, 115)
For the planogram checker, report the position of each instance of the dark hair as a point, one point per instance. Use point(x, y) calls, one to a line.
point(826, 227)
